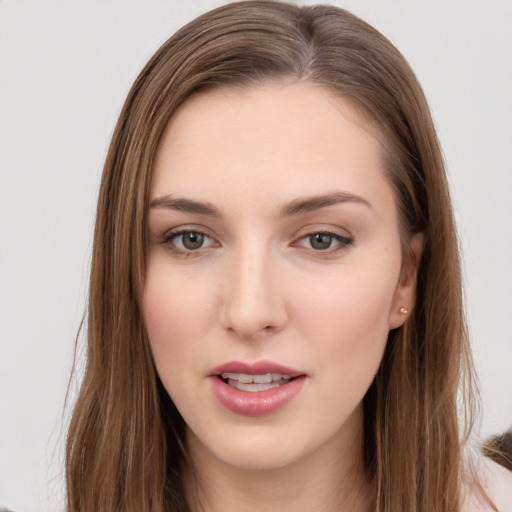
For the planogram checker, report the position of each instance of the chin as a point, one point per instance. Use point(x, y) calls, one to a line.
point(263, 450)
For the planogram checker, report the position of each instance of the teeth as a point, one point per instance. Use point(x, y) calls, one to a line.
point(252, 387)
point(266, 378)
point(262, 379)
point(244, 379)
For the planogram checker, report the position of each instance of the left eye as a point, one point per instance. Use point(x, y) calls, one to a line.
point(323, 241)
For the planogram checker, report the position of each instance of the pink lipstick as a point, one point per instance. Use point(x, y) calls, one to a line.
point(255, 389)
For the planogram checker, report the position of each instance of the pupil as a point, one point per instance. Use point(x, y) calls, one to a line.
point(193, 240)
point(321, 241)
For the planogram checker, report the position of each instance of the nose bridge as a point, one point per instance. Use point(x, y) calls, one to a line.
point(253, 301)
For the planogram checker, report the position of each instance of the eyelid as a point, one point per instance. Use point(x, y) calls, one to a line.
point(171, 234)
point(344, 240)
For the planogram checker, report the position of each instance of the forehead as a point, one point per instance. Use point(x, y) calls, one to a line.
point(287, 138)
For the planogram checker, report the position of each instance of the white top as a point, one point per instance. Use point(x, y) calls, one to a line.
point(497, 483)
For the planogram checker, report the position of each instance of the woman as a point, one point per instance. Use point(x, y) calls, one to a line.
point(275, 317)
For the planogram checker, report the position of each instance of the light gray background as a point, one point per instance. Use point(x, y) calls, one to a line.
point(65, 68)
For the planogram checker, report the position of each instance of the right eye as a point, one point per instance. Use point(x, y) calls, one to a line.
point(187, 241)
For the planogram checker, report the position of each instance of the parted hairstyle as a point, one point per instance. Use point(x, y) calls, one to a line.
point(125, 447)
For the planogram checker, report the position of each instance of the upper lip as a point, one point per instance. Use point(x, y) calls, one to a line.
point(257, 368)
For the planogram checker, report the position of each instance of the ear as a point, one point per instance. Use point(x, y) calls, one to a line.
point(405, 293)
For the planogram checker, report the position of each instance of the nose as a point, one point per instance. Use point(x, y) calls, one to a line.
point(254, 303)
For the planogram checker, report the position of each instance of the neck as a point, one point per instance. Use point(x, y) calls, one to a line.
point(332, 479)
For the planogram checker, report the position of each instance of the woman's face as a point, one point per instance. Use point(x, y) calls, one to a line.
point(274, 271)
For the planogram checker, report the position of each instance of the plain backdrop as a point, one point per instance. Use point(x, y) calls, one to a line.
point(65, 68)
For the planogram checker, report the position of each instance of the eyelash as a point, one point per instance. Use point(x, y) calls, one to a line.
point(169, 241)
point(343, 242)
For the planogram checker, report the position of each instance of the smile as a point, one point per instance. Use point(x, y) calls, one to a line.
point(255, 389)
point(255, 383)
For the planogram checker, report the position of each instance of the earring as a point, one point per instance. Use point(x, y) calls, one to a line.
point(404, 311)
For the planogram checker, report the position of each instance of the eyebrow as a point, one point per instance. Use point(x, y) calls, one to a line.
point(309, 204)
point(185, 205)
point(295, 207)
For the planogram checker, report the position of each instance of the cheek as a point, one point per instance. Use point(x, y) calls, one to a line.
point(162, 319)
point(348, 323)
point(174, 315)
point(350, 303)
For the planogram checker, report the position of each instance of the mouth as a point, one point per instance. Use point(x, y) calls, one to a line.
point(255, 383)
point(255, 389)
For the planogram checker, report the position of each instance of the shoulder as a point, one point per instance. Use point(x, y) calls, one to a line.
point(497, 481)
point(492, 481)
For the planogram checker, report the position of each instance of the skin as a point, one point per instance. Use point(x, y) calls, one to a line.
point(257, 289)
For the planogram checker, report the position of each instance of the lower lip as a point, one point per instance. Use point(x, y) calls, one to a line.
point(256, 403)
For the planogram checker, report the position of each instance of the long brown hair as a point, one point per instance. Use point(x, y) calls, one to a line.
point(125, 443)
